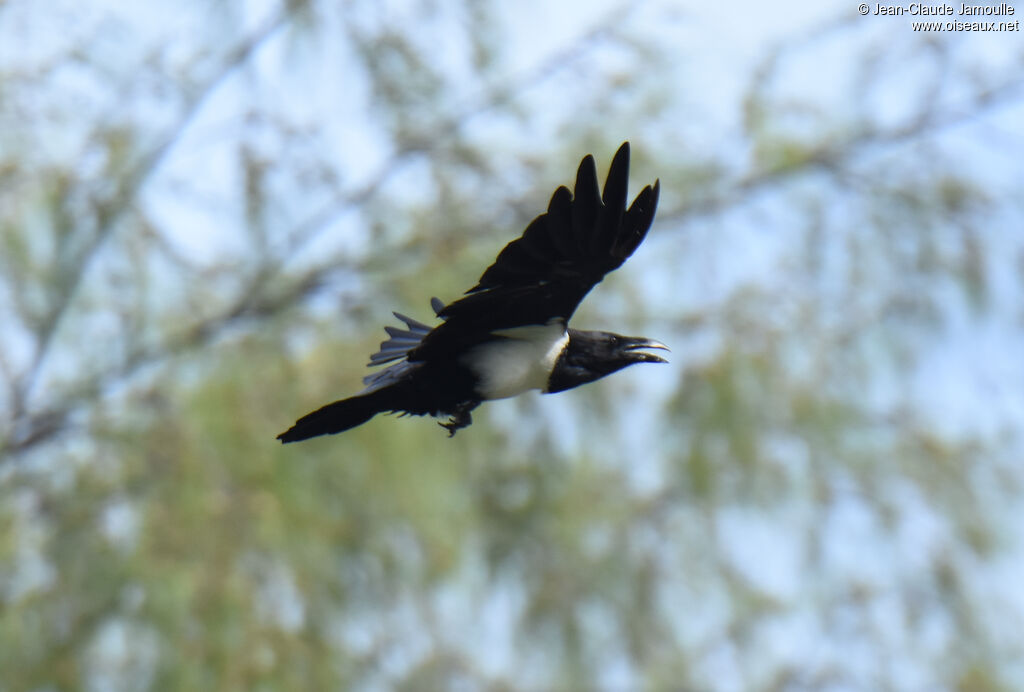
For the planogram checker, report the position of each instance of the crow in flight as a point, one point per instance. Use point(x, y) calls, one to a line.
point(510, 332)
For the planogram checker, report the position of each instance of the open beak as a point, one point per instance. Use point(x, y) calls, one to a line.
point(634, 346)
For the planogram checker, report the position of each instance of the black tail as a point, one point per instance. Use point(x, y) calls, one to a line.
point(337, 417)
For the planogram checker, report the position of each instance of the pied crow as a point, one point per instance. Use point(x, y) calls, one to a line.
point(509, 333)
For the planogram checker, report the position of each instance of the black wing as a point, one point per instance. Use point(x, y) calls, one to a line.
point(562, 254)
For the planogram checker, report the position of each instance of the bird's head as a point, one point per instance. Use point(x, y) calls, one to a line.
point(590, 356)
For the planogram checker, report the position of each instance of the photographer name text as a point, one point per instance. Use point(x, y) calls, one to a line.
point(917, 9)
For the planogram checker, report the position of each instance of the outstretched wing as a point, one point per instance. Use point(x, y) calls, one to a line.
point(401, 342)
point(397, 348)
point(562, 254)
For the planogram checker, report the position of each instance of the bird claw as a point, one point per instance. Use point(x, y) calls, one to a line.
point(460, 419)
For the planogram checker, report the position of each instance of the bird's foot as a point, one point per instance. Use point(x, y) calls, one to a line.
point(460, 419)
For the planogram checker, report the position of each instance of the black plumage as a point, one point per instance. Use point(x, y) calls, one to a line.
point(509, 332)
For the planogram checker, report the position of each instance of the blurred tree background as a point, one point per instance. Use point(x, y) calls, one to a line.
point(207, 211)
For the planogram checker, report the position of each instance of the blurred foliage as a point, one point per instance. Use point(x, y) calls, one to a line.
point(199, 238)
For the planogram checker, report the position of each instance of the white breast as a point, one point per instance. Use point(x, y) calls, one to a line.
point(521, 361)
